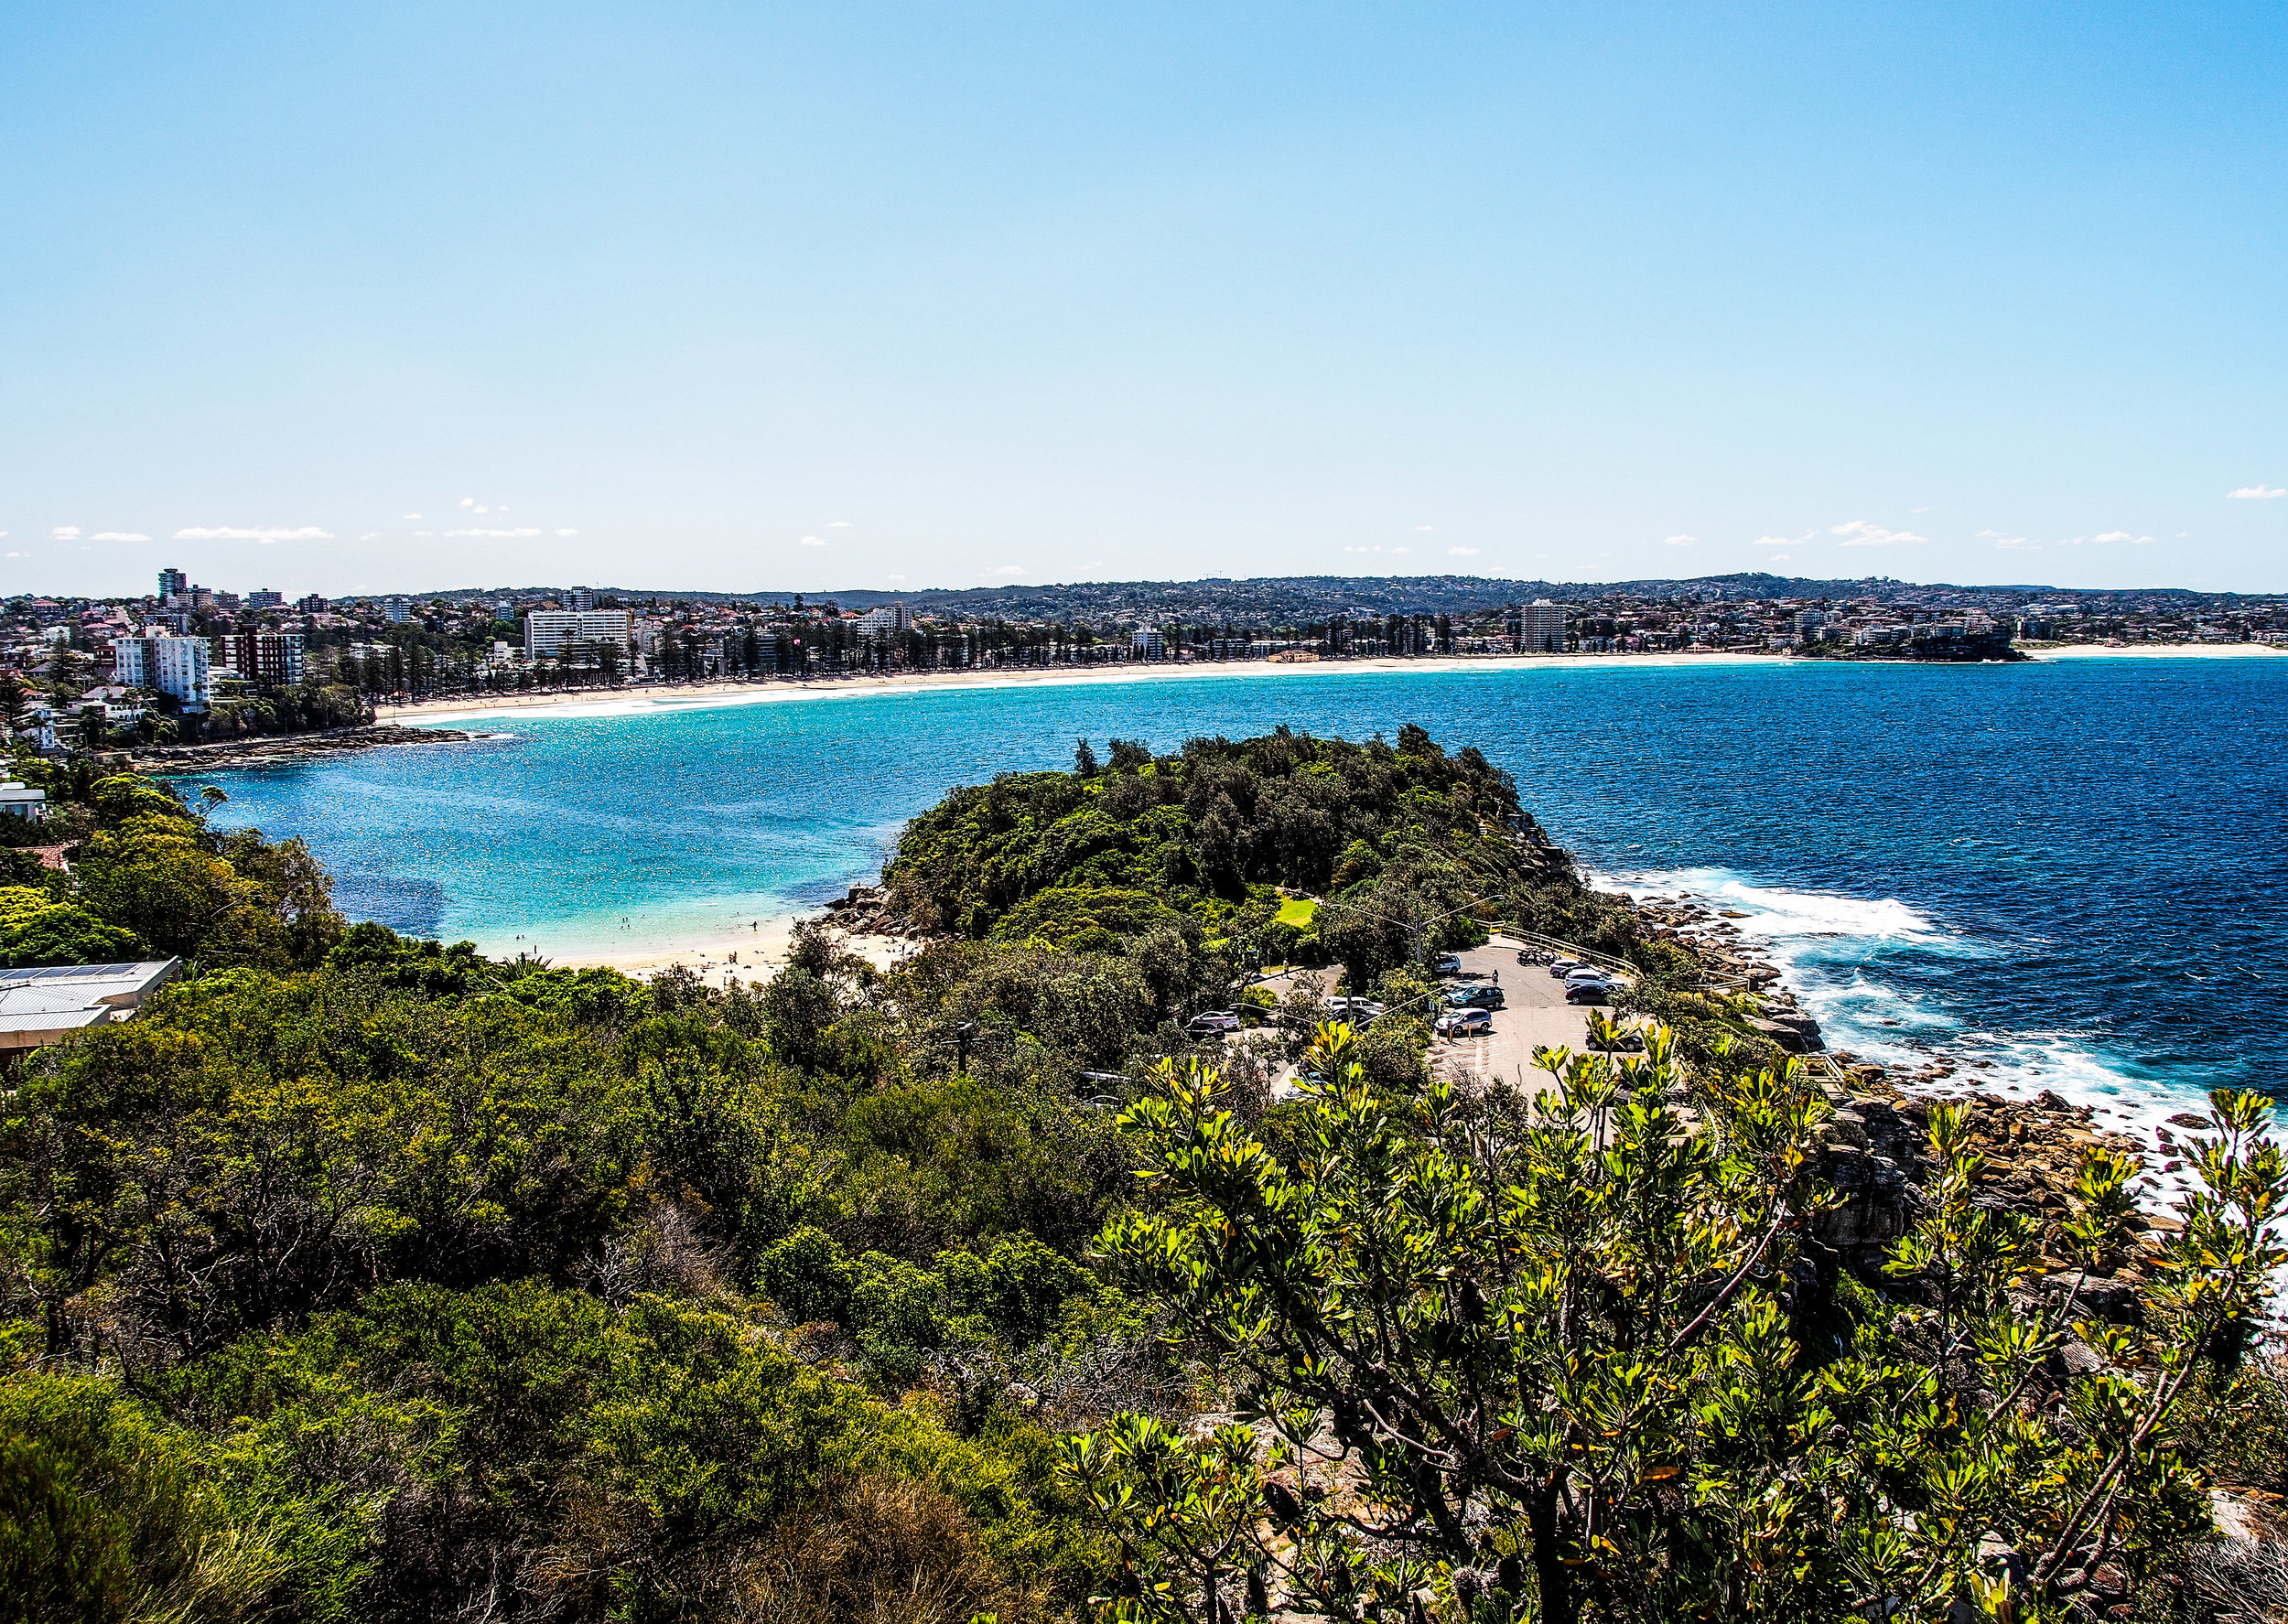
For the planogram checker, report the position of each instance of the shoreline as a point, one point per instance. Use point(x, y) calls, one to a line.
point(726, 693)
point(720, 957)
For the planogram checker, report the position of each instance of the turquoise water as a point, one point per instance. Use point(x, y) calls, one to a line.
point(2075, 869)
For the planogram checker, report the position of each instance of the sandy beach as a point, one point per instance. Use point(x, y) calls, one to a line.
point(720, 957)
point(699, 695)
point(710, 695)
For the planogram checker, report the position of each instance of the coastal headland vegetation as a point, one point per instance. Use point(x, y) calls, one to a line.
point(362, 1277)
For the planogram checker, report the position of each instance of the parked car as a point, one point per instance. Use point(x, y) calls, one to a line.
point(1588, 972)
point(1464, 1023)
point(1357, 1011)
point(1446, 964)
point(1477, 996)
point(1596, 990)
point(1212, 1023)
point(1562, 968)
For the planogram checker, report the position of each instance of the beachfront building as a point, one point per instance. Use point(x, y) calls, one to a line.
point(22, 801)
point(1541, 628)
point(267, 659)
point(890, 620)
point(1144, 644)
point(549, 632)
point(178, 667)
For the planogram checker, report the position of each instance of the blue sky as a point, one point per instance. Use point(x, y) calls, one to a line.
point(741, 296)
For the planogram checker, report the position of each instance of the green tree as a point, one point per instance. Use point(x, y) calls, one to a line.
point(1545, 1359)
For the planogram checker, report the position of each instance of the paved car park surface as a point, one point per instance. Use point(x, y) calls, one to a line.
point(1534, 1012)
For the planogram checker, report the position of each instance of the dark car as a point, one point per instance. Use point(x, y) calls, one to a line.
point(1480, 996)
point(1589, 992)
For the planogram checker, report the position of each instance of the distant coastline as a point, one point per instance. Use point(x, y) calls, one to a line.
point(634, 699)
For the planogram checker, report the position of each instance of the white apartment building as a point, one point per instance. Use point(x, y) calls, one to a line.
point(1145, 643)
point(175, 666)
point(549, 632)
point(890, 620)
point(1541, 628)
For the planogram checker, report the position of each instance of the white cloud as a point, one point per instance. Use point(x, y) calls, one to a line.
point(1423, 527)
point(231, 533)
point(2121, 535)
point(567, 532)
point(897, 578)
point(64, 533)
point(1779, 558)
point(1462, 552)
point(418, 532)
point(1680, 541)
point(370, 535)
point(468, 501)
point(1362, 549)
point(504, 535)
point(811, 542)
point(1397, 549)
point(1918, 509)
point(1005, 569)
point(2017, 544)
point(2257, 493)
point(843, 524)
point(1860, 533)
point(16, 555)
point(1771, 541)
point(118, 535)
point(409, 515)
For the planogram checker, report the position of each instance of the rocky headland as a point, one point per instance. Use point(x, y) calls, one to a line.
point(292, 749)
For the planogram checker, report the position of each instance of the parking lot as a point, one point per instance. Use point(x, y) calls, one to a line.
point(1535, 1013)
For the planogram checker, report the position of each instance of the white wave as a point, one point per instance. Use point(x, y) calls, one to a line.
point(1830, 947)
point(1777, 914)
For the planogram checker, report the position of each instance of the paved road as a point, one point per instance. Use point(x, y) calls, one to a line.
point(1537, 1013)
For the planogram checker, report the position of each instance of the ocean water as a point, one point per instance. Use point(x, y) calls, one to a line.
point(2076, 870)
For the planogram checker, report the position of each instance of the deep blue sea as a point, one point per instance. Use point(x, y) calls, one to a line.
point(2076, 869)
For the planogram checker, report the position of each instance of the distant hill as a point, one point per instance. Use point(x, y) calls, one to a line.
point(1315, 597)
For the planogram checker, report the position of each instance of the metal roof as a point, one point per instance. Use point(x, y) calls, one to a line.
point(63, 997)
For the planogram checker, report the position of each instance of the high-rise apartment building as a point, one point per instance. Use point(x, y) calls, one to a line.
point(262, 598)
point(175, 666)
point(1541, 628)
point(173, 583)
point(268, 659)
point(549, 632)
